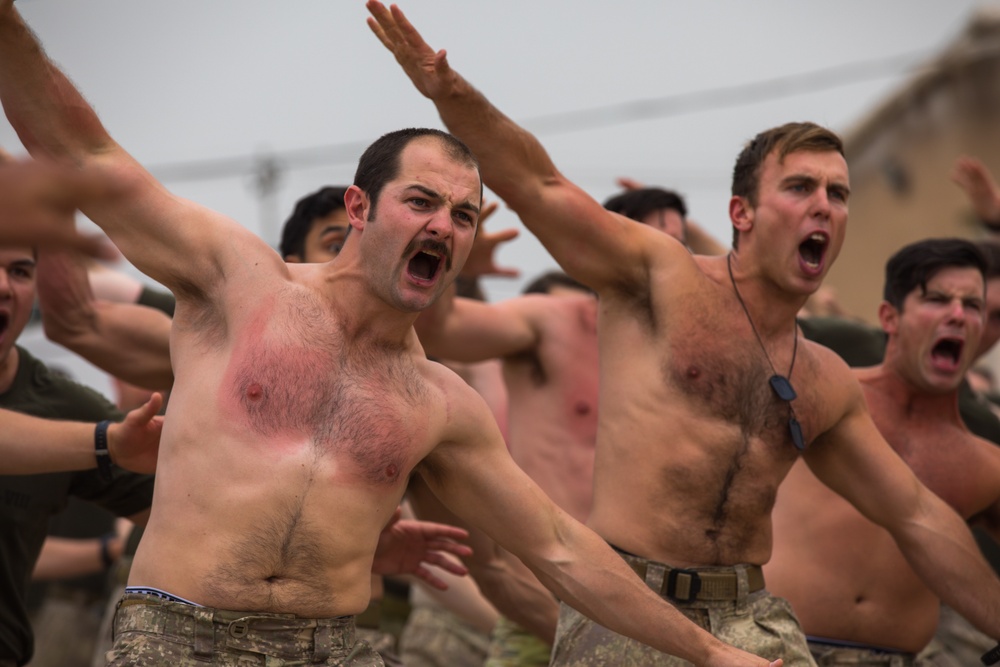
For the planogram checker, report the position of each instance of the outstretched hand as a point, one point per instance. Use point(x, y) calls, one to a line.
point(481, 261)
point(405, 545)
point(135, 443)
point(975, 179)
point(428, 70)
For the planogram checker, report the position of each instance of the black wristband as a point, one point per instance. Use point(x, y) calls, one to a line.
point(101, 450)
point(106, 558)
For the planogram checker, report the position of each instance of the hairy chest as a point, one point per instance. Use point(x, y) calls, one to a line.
point(725, 375)
point(292, 380)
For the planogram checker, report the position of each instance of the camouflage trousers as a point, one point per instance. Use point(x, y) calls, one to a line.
point(435, 637)
point(758, 623)
point(513, 646)
point(830, 654)
point(956, 644)
point(152, 631)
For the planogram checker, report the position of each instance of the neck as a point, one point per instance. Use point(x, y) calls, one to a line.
point(771, 308)
point(911, 399)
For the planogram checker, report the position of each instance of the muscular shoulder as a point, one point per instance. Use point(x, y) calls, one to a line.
point(837, 386)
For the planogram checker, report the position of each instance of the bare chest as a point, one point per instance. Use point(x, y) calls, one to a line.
point(725, 375)
point(947, 459)
point(291, 381)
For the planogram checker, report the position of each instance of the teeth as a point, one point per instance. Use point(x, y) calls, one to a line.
point(819, 238)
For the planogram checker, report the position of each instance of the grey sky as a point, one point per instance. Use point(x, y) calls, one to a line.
point(188, 81)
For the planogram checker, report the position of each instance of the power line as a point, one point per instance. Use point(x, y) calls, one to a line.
point(575, 121)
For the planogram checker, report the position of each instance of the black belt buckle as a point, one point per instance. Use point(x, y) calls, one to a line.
point(693, 588)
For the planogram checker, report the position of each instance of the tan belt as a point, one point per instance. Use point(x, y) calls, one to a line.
point(686, 585)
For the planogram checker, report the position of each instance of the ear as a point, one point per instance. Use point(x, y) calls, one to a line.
point(741, 214)
point(888, 317)
point(358, 205)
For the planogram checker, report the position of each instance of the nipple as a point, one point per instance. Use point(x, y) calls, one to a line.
point(693, 372)
point(391, 471)
point(255, 392)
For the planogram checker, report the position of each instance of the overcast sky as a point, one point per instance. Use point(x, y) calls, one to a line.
point(198, 89)
point(195, 89)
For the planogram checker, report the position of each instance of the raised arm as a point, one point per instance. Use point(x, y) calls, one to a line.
point(179, 244)
point(476, 478)
point(595, 246)
point(38, 203)
point(855, 461)
point(129, 341)
point(468, 330)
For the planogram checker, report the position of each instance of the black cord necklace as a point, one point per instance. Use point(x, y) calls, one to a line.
point(780, 384)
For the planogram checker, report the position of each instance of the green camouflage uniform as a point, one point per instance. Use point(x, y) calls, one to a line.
point(513, 646)
point(956, 644)
point(151, 631)
point(435, 637)
point(757, 622)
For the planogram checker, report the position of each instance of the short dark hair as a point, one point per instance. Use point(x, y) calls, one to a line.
point(915, 264)
point(637, 204)
point(545, 282)
point(307, 210)
point(379, 164)
point(787, 138)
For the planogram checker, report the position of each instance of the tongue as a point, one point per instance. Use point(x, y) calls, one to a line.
point(422, 266)
point(944, 360)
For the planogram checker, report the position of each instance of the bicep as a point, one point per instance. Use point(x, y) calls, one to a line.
point(176, 242)
point(855, 461)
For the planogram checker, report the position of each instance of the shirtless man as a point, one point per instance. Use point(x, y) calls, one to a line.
point(694, 436)
point(547, 340)
point(302, 403)
point(850, 586)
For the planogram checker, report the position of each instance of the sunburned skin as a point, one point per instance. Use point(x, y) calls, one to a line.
point(287, 391)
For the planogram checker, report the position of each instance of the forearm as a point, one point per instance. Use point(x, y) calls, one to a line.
point(587, 575)
point(513, 163)
point(942, 550)
point(65, 558)
point(517, 593)
point(129, 341)
point(50, 116)
point(32, 445)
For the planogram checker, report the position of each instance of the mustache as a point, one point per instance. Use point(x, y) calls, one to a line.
point(436, 247)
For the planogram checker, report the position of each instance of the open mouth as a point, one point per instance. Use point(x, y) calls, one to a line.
point(425, 263)
point(4, 323)
point(812, 250)
point(947, 353)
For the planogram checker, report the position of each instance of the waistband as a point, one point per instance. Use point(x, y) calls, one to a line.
point(833, 652)
point(204, 628)
point(699, 583)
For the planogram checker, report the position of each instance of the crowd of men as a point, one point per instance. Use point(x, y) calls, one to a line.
point(651, 459)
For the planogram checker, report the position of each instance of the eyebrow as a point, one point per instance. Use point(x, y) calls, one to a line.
point(434, 195)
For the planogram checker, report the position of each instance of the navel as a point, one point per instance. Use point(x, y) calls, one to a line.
point(582, 408)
